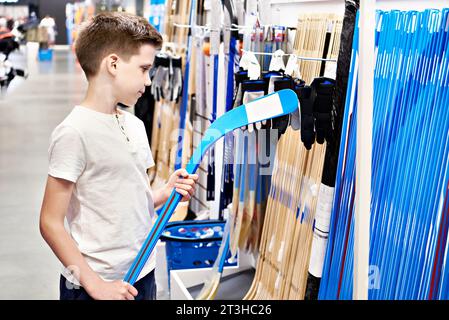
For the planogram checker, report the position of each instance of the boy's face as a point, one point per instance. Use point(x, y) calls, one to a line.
point(133, 75)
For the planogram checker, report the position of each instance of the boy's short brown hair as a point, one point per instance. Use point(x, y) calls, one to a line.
point(109, 32)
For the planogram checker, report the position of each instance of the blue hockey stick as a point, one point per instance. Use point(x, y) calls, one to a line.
point(274, 105)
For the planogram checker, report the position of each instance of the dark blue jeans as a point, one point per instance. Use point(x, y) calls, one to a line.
point(145, 286)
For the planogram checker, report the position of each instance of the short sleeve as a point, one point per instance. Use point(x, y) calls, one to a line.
point(150, 160)
point(66, 154)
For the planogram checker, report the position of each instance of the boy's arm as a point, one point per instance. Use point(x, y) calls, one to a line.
point(182, 182)
point(54, 207)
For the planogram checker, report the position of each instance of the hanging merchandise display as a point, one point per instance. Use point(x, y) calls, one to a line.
point(170, 110)
point(177, 14)
point(160, 81)
point(326, 193)
point(409, 218)
point(283, 182)
point(281, 271)
point(251, 145)
point(166, 77)
point(281, 214)
point(316, 106)
point(206, 89)
point(156, 14)
point(243, 204)
point(214, 60)
point(318, 36)
point(239, 173)
point(166, 87)
point(185, 92)
point(230, 42)
point(198, 204)
point(200, 121)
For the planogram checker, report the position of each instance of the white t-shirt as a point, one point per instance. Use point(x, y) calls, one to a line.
point(111, 210)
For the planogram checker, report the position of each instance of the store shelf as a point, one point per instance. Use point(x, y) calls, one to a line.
point(186, 284)
point(232, 287)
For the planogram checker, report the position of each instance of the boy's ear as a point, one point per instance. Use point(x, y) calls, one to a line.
point(111, 63)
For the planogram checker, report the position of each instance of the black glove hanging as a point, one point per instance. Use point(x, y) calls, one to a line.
point(269, 77)
point(239, 77)
point(210, 186)
point(175, 78)
point(295, 118)
point(159, 76)
point(324, 88)
point(306, 96)
point(281, 123)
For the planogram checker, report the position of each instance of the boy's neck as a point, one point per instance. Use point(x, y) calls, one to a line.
point(100, 99)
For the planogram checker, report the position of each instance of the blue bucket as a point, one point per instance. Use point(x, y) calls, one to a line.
point(45, 54)
point(193, 244)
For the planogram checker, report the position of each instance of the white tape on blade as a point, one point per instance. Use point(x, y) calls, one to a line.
point(265, 108)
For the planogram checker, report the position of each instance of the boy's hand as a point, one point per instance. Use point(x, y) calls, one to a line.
point(114, 290)
point(183, 183)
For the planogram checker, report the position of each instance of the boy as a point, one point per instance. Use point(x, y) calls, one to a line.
point(98, 159)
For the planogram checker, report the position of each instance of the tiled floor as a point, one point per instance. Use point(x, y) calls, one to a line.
point(28, 268)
